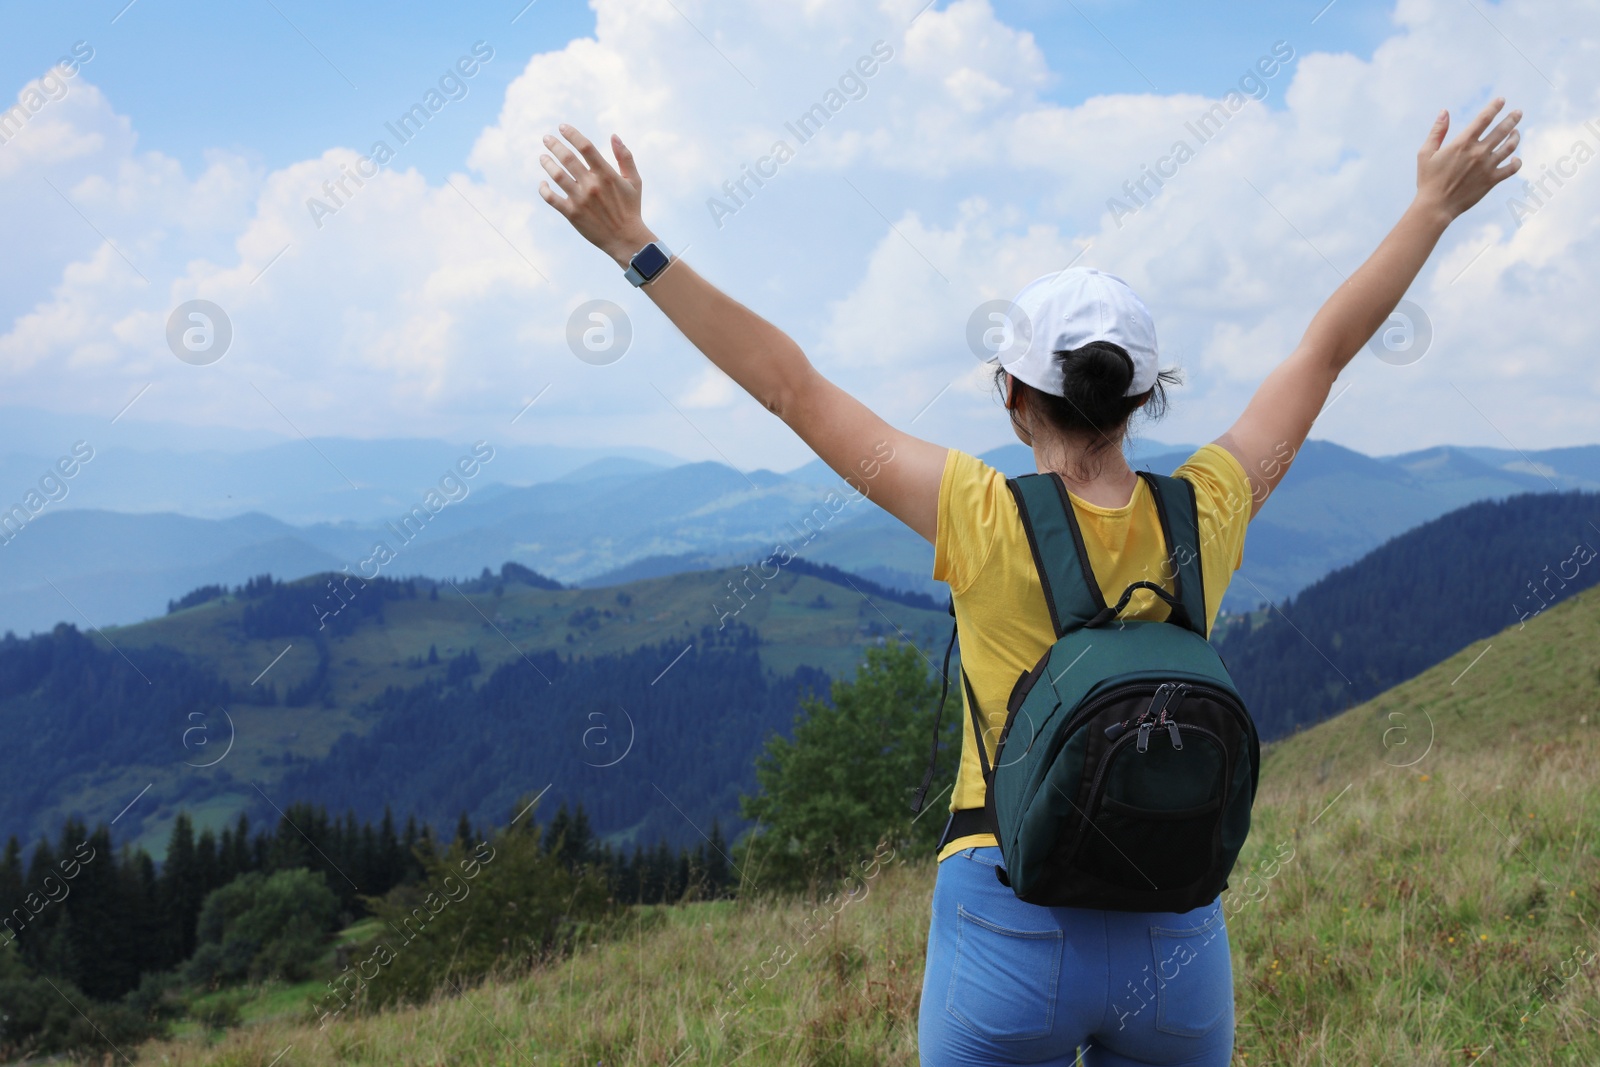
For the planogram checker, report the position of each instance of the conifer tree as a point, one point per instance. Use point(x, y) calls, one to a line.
point(181, 892)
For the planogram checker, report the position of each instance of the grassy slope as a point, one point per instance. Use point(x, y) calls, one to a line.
point(1439, 907)
point(1438, 913)
point(523, 620)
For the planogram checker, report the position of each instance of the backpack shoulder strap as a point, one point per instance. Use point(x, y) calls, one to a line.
point(1179, 510)
point(1070, 588)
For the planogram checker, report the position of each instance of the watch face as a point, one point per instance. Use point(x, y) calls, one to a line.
point(650, 261)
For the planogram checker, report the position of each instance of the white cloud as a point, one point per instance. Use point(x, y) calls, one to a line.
point(425, 307)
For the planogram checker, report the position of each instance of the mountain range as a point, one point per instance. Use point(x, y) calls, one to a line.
point(153, 514)
point(438, 696)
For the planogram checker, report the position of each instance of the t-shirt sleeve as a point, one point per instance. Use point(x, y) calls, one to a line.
point(971, 494)
point(1222, 493)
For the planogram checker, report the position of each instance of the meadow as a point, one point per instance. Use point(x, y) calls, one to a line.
point(1419, 887)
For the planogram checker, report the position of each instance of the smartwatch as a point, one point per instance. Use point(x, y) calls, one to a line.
point(648, 262)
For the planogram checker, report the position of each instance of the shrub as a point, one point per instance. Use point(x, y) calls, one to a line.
point(500, 904)
point(40, 1017)
point(259, 927)
point(845, 781)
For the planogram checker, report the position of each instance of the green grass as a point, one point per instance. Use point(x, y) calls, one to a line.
point(1439, 907)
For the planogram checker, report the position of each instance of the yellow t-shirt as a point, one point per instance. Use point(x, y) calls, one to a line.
point(981, 551)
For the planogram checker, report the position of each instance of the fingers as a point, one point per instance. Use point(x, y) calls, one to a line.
point(1435, 138)
point(559, 175)
point(560, 203)
point(1485, 116)
point(625, 160)
point(1508, 146)
point(565, 172)
point(586, 148)
point(1503, 129)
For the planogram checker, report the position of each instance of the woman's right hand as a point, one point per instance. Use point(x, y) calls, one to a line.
point(1454, 177)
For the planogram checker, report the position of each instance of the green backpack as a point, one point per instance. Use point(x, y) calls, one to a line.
point(1125, 772)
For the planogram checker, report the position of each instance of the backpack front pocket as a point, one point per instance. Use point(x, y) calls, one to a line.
point(1154, 826)
point(1149, 848)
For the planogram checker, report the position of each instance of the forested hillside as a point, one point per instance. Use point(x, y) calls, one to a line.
point(651, 745)
point(68, 704)
point(272, 675)
point(1410, 603)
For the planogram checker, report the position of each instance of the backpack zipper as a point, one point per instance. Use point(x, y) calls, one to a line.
point(1171, 725)
point(1114, 731)
point(1171, 691)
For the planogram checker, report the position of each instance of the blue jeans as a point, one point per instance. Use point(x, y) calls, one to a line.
point(1008, 982)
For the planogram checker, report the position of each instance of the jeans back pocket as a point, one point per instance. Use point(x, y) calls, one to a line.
point(1004, 982)
point(1194, 977)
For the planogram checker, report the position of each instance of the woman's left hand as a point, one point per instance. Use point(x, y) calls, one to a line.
point(601, 203)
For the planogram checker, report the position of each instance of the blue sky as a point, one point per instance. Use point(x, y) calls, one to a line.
point(268, 80)
point(187, 159)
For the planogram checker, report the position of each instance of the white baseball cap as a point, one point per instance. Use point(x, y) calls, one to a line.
point(1067, 309)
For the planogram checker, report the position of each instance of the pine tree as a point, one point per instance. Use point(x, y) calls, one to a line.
point(239, 862)
point(391, 859)
point(225, 857)
point(412, 870)
point(426, 852)
point(103, 916)
point(207, 861)
point(558, 832)
point(181, 892)
point(367, 863)
point(716, 863)
point(139, 881)
point(633, 875)
point(11, 884)
point(41, 940)
point(652, 878)
point(580, 848)
point(684, 878)
point(667, 874)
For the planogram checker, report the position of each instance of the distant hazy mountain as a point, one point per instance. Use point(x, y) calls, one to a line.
point(298, 482)
point(1334, 507)
point(146, 520)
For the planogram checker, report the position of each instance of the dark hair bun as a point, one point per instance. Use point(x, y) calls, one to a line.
point(1095, 378)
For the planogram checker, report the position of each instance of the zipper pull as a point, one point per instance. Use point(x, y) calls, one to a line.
point(1144, 736)
point(1172, 732)
point(1155, 698)
point(1117, 729)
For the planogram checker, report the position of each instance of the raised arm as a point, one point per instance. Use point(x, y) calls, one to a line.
point(1449, 181)
point(897, 471)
